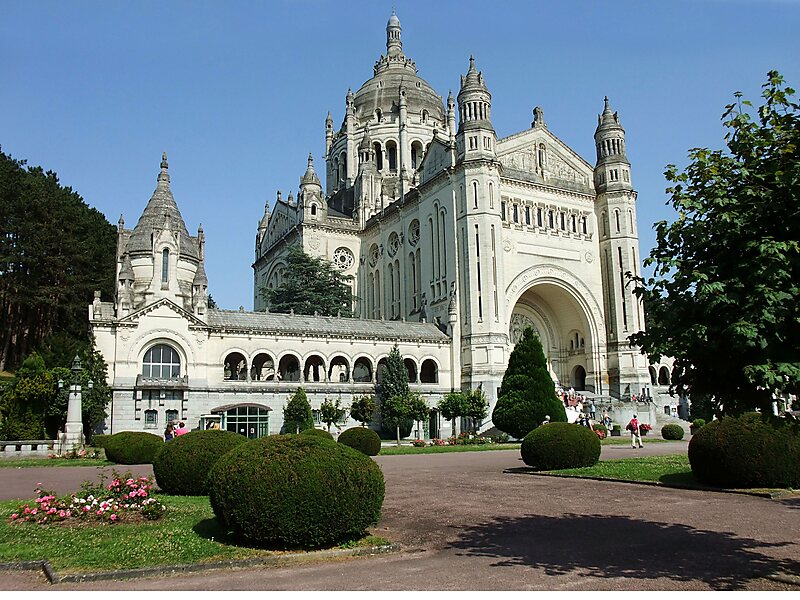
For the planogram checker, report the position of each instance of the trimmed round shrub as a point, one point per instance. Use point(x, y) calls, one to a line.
point(672, 431)
point(182, 465)
point(362, 439)
point(751, 450)
point(99, 440)
point(698, 423)
point(132, 447)
point(560, 446)
point(292, 491)
point(321, 433)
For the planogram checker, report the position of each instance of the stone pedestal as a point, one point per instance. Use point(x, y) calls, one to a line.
point(74, 428)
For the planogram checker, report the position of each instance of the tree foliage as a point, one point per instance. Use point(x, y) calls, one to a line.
point(312, 284)
point(394, 378)
point(476, 407)
point(418, 410)
point(394, 411)
point(332, 412)
point(363, 409)
point(452, 406)
point(297, 414)
point(724, 296)
point(528, 393)
point(55, 252)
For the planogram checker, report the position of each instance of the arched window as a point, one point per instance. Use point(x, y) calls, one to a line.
point(161, 362)
point(313, 209)
point(263, 368)
point(378, 156)
point(424, 116)
point(235, 367)
point(475, 194)
point(289, 368)
point(663, 376)
point(165, 266)
point(378, 115)
point(604, 223)
point(429, 372)
point(653, 376)
point(411, 369)
point(314, 369)
point(339, 371)
point(616, 219)
point(362, 370)
point(380, 370)
point(391, 152)
point(491, 195)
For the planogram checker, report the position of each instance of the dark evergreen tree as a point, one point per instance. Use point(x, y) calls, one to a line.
point(311, 285)
point(394, 384)
point(528, 393)
point(55, 252)
point(297, 414)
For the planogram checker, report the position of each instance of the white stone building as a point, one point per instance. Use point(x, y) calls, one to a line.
point(456, 241)
point(422, 202)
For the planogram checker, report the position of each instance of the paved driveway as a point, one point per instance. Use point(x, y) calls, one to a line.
point(467, 523)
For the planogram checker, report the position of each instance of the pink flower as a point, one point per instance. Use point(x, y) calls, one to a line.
point(62, 514)
point(14, 515)
point(100, 512)
point(132, 495)
point(113, 517)
point(33, 512)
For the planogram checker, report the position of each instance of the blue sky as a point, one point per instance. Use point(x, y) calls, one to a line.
point(237, 92)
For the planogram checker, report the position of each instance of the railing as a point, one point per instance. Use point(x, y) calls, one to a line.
point(21, 448)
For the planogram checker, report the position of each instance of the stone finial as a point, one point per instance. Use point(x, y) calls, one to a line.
point(121, 223)
point(163, 176)
point(538, 117)
point(164, 164)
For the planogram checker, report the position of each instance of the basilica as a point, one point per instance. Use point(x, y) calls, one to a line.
point(455, 240)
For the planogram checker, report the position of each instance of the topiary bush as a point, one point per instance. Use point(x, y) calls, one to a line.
point(672, 431)
point(181, 466)
point(698, 423)
point(132, 447)
point(292, 491)
point(99, 440)
point(751, 450)
point(560, 446)
point(321, 433)
point(362, 439)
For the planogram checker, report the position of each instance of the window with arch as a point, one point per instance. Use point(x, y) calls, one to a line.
point(604, 223)
point(313, 210)
point(429, 371)
point(362, 370)
point(165, 266)
point(378, 115)
point(550, 219)
point(424, 116)
point(491, 195)
point(616, 220)
point(378, 156)
point(475, 194)
point(151, 419)
point(391, 153)
point(235, 367)
point(161, 362)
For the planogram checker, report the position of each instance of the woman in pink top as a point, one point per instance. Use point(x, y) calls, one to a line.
point(633, 426)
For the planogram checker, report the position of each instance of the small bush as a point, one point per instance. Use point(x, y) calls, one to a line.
point(99, 440)
point(321, 433)
point(560, 446)
point(601, 430)
point(296, 491)
point(698, 423)
point(182, 465)
point(362, 439)
point(132, 447)
point(751, 450)
point(672, 431)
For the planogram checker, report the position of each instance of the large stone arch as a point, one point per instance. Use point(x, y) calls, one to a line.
point(559, 304)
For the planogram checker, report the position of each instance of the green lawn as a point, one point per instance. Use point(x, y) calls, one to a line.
point(672, 468)
point(54, 462)
point(188, 533)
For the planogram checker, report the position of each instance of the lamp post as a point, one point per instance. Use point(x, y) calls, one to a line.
point(74, 427)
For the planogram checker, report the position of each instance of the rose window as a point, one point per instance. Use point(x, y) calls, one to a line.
point(394, 244)
point(413, 233)
point(343, 258)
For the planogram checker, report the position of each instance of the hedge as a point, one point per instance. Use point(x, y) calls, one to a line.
point(362, 439)
point(672, 431)
point(291, 491)
point(560, 446)
point(132, 447)
point(321, 433)
point(182, 465)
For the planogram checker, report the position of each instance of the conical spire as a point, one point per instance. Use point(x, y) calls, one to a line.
point(473, 80)
point(126, 272)
point(310, 176)
point(160, 211)
point(609, 118)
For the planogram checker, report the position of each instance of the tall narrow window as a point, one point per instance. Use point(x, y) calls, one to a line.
point(478, 267)
point(491, 196)
point(502, 211)
point(516, 214)
point(165, 266)
point(622, 290)
point(443, 245)
point(475, 194)
point(494, 277)
point(539, 217)
point(527, 215)
point(616, 219)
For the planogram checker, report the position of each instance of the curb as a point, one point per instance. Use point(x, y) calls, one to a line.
point(54, 578)
point(784, 578)
point(677, 486)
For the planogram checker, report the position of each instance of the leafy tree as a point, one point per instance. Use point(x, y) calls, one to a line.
point(527, 394)
point(55, 252)
point(25, 401)
point(476, 407)
point(363, 409)
point(312, 284)
point(297, 415)
point(724, 297)
point(418, 410)
point(331, 412)
point(453, 406)
point(394, 411)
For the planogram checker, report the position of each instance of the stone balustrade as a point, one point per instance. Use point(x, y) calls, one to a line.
point(27, 448)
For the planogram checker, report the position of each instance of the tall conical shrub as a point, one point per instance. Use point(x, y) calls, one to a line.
point(528, 393)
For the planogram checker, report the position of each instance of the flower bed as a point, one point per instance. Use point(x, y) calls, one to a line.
point(418, 443)
point(124, 499)
point(467, 439)
point(77, 454)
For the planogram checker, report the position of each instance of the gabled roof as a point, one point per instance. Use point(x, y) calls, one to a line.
point(137, 314)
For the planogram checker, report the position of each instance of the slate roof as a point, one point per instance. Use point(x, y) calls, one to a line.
point(324, 326)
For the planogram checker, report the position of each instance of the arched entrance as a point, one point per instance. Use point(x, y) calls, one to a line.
point(562, 321)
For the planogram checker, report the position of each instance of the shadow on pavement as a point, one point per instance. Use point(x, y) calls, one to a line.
point(620, 547)
point(791, 503)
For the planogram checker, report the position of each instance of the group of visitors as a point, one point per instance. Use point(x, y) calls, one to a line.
point(571, 398)
point(172, 432)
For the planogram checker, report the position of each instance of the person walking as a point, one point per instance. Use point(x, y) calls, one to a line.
point(592, 410)
point(636, 436)
point(169, 433)
point(181, 429)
